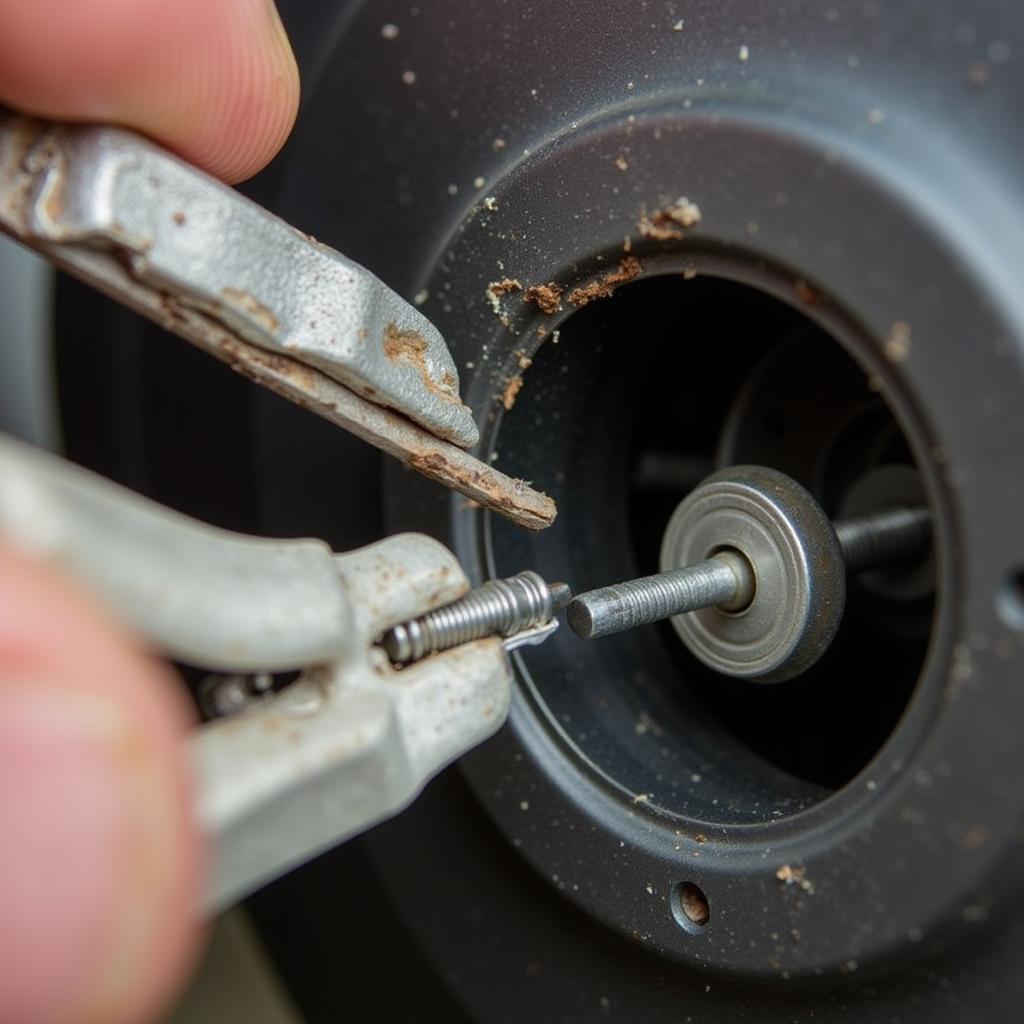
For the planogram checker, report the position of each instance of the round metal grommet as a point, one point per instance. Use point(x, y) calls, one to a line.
point(800, 589)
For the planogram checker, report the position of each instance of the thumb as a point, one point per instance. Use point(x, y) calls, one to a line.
point(99, 863)
point(215, 81)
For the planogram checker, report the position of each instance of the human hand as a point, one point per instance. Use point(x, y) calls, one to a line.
point(100, 860)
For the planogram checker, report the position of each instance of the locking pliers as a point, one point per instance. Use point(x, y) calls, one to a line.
point(355, 737)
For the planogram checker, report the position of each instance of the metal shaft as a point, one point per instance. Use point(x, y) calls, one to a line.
point(724, 579)
point(884, 538)
point(496, 608)
point(727, 581)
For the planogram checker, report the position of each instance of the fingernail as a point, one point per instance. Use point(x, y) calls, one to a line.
point(81, 808)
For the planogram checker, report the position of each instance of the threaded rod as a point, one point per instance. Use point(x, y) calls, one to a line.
point(496, 608)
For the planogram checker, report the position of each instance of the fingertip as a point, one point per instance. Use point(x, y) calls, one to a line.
point(218, 83)
point(101, 865)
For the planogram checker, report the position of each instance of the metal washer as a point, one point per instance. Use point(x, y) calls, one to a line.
point(798, 567)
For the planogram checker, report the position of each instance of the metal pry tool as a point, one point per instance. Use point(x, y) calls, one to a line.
point(354, 739)
point(218, 270)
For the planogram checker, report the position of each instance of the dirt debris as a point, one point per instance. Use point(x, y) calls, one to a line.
point(546, 297)
point(525, 362)
point(795, 876)
point(511, 392)
point(622, 163)
point(504, 287)
point(897, 344)
point(497, 290)
point(669, 223)
point(628, 269)
point(806, 294)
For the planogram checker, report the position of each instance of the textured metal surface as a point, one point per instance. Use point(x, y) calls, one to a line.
point(352, 742)
point(798, 602)
point(495, 608)
point(723, 579)
point(184, 233)
point(24, 167)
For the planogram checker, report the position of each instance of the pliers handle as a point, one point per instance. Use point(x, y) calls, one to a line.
point(215, 268)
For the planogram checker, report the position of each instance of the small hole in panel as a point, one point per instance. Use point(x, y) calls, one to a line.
point(690, 906)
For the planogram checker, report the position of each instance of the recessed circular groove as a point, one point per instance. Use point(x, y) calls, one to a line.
point(646, 394)
point(690, 907)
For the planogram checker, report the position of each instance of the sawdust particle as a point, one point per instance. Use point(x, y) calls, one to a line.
point(670, 223)
point(497, 290)
point(622, 163)
point(629, 268)
point(546, 297)
point(897, 344)
point(795, 876)
point(511, 392)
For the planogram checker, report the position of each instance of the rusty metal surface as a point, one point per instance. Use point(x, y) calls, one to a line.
point(26, 206)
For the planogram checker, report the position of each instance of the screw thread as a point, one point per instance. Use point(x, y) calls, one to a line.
point(497, 607)
point(884, 538)
point(613, 609)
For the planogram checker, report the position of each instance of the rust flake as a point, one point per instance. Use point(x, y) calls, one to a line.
point(409, 346)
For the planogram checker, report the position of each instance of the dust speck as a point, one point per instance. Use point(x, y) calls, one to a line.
point(897, 344)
